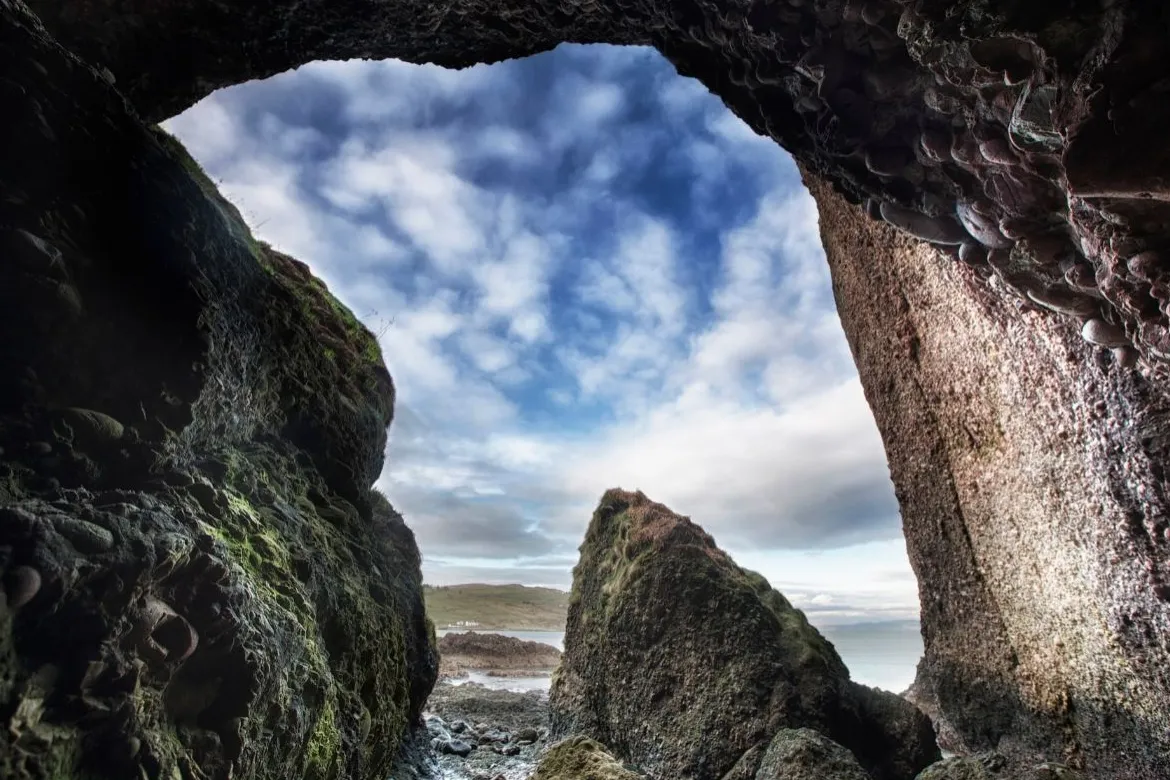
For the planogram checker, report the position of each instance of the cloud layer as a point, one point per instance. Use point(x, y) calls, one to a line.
point(584, 273)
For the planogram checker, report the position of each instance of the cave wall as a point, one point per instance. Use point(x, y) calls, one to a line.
point(1029, 470)
point(198, 581)
point(1024, 139)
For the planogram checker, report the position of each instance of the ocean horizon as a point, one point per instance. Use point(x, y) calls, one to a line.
point(881, 654)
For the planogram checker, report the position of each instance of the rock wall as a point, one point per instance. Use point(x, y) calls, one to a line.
point(198, 581)
point(688, 666)
point(1024, 137)
point(1030, 473)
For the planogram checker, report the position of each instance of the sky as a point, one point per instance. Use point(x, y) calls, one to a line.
point(584, 272)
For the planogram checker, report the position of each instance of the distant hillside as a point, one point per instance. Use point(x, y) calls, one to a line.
point(517, 607)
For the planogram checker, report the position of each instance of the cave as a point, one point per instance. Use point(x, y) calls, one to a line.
point(991, 178)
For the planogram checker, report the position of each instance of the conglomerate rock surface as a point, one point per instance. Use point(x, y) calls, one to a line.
point(687, 666)
point(198, 581)
point(1025, 138)
point(1030, 473)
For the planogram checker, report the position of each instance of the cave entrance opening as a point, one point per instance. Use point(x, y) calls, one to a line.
point(584, 271)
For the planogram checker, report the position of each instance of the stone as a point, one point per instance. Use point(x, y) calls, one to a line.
point(804, 754)
point(1103, 334)
point(527, 734)
point(580, 758)
point(91, 429)
point(455, 747)
point(21, 585)
point(936, 230)
point(87, 537)
point(683, 661)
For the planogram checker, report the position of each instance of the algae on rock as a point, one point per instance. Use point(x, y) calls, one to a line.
point(581, 758)
point(198, 580)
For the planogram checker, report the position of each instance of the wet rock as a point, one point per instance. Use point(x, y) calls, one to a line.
point(455, 747)
point(804, 754)
point(683, 661)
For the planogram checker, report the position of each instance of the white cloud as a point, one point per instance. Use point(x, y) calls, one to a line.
point(549, 342)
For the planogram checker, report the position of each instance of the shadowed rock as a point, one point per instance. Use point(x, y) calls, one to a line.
point(200, 582)
point(686, 665)
point(804, 754)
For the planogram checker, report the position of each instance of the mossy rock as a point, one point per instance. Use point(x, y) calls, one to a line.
point(684, 663)
point(225, 596)
point(804, 754)
point(581, 758)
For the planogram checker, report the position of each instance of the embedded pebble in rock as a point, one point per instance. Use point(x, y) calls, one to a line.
point(972, 253)
point(1126, 357)
point(937, 230)
point(1064, 301)
point(997, 150)
point(455, 747)
point(936, 144)
point(981, 226)
point(21, 585)
point(40, 448)
point(1146, 265)
point(87, 537)
point(92, 429)
point(1103, 334)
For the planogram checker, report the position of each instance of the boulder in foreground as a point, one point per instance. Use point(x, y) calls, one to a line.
point(581, 758)
point(687, 665)
point(804, 754)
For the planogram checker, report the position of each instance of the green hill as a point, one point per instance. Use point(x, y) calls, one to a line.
point(516, 607)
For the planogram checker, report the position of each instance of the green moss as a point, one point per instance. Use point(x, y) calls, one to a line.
point(324, 748)
point(581, 758)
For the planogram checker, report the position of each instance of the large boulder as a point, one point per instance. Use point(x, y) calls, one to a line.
point(804, 754)
point(994, 766)
point(198, 580)
point(581, 758)
point(687, 665)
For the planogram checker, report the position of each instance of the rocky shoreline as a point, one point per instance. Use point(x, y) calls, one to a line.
point(479, 733)
point(495, 655)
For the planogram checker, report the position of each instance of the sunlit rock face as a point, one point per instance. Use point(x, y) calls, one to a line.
point(1029, 469)
point(1016, 370)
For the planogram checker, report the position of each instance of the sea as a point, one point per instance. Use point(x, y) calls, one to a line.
point(882, 654)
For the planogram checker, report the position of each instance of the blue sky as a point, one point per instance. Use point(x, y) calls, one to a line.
point(584, 273)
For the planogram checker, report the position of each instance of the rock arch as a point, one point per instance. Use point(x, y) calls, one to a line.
point(1024, 140)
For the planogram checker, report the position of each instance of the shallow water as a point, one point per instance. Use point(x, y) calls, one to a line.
point(882, 655)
